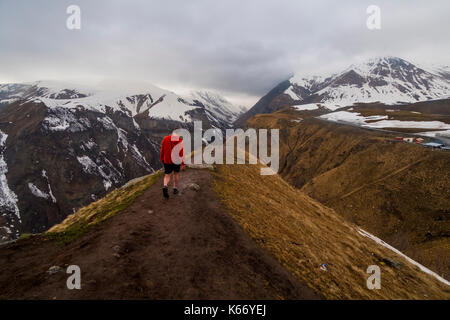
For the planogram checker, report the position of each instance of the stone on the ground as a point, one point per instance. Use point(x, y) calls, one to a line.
point(54, 269)
point(194, 186)
point(392, 263)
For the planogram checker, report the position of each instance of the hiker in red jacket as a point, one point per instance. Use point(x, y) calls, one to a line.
point(172, 162)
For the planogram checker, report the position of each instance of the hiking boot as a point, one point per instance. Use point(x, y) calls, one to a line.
point(166, 192)
point(175, 191)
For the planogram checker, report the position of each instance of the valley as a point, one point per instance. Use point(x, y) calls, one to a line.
point(393, 189)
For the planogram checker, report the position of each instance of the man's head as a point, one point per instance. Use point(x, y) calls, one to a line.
point(176, 133)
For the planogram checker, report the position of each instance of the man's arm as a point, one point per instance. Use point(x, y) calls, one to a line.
point(182, 154)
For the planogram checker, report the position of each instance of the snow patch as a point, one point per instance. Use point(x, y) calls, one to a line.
point(88, 145)
point(436, 134)
point(109, 124)
point(102, 170)
point(44, 174)
point(8, 230)
point(352, 117)
point(140, 158)
point(409, 124)
point(61, 119)
point(314, 106)
point(8, 199)
point(421, 267)
point(39, 193)
point(380, 121)
point(307, 107)
point(292, 94)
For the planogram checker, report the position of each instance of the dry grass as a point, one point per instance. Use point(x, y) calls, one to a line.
point(302, 234)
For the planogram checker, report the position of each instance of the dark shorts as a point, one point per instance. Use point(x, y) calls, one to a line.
point(168, 168)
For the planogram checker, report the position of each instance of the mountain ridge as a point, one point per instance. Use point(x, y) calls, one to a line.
point(156, 102)
point(390, 80)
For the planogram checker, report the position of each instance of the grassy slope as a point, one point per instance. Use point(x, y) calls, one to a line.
point(397, 191)
point(302, 234)
point(78, 223)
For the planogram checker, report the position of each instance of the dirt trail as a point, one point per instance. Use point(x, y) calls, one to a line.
point(186, 247)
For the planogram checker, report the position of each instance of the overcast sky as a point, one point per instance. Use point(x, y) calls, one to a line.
point(240, 48)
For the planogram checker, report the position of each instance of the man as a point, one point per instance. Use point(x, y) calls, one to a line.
point(172, 162)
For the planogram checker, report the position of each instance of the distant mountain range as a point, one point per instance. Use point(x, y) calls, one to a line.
point(388, 80)
point(157, 103)
point(64, 145)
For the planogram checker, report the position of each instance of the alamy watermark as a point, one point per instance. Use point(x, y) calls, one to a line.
point(214, 153)
point(374, 280)
point(373, 21)
point(73, 21)
point(74, 280)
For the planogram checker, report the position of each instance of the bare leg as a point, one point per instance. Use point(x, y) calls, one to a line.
point(176, 177)
point(167, 179)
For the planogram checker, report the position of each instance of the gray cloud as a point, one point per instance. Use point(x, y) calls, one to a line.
point(242, 48)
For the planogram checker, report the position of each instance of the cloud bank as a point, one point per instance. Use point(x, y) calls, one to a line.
point(240, 48)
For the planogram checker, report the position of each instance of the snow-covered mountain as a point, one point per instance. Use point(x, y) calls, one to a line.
point(442, 70)
point(155, 102)
point(389, 80)
point(217, 106)
point(11, 92)
point(64, 145)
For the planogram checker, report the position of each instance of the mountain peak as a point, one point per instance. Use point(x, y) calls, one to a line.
point(217, 103)
point(386, 79)
point(380, 64)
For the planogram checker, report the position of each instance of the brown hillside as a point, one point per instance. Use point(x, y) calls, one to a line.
point(399, 192)
point(303, 234)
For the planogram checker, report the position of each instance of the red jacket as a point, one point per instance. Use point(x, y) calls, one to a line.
point(166, 149)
